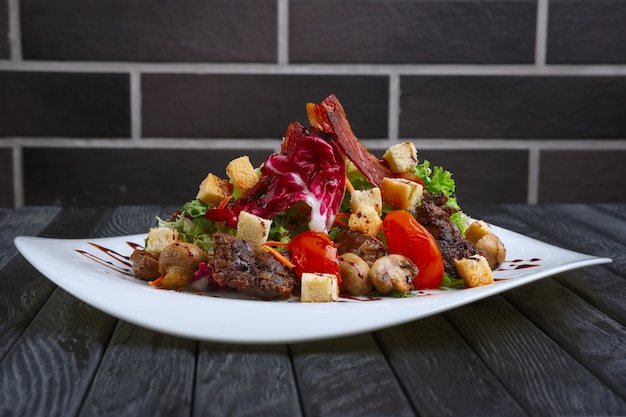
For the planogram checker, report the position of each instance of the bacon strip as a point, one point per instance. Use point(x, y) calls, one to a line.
point(330, 116)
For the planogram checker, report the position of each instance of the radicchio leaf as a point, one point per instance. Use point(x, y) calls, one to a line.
point(310, 168)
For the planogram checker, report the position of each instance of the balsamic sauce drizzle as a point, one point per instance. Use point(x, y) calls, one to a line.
point(126, 268)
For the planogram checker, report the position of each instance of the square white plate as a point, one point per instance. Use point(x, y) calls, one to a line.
point(104, 280)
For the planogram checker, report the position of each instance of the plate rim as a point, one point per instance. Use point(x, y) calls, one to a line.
point(220, 332)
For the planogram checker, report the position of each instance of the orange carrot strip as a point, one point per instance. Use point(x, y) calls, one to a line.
point(343, 214)
point(224, 201)
point(280, 257)
point(275, 243)
point(341, 223)
point(349, 186)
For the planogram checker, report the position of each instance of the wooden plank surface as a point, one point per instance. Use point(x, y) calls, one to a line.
point(436, 367)
point(23, 290)
point(25, 221)
point(143, 373)
point(554, 347)
point(591, 337)
point(543, 378)
point(245, 380)
point(347, 376)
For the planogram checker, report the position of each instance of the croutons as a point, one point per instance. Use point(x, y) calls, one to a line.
point(366, 207)
point(242, 174)
point(158, 238)
point(253, 229)
point(371, 198)
point(481, 235)
point(401, 193)
point(474, 270)
point(401, 157)
point(319, 288)
point(366, 220)
point(213, 190)
point(476, 230)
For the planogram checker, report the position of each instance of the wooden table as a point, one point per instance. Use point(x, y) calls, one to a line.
point(555, 347)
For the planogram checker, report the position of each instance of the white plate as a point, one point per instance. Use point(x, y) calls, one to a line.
point(103, 280)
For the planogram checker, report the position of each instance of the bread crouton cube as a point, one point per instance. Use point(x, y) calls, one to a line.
point(401, 157)
point(158, 238)
point(242, 174)
point(366, 198)
point(319, 288)
point(476, 230)
point(401, 193)
point(474, 270)
point(252, 228)
point(366, 220)
point(213, 190)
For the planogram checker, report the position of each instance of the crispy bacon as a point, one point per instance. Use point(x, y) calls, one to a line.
point(330, 116)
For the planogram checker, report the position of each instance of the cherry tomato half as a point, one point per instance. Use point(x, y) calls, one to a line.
point(314, 252)
point(406, 236)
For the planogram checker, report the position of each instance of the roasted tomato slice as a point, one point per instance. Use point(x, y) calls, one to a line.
point(406, 236)
point(314, 252)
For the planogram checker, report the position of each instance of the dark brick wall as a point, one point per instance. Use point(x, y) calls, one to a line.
point(4, 30)
point(133, 102)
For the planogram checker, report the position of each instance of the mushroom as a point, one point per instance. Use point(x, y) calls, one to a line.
point(355, 278)
point(393, 273)
point(493, 248)
point(145, 266)
point(178, 262)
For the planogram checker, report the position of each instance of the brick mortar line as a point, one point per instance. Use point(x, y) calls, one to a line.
point(283, 32)
point(541, 40)
point(317, 69)
point(274, 144)
point(135, 106)
point(15, 31)
point(393, 118)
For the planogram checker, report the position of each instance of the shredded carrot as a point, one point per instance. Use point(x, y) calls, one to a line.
point(275, 243)
point(349, 186)
point(340, 223)
point(278, 256)
point(224, 201)
point(340, 214)
point(156, 282)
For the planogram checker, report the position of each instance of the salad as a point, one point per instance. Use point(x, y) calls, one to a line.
point(320, 218)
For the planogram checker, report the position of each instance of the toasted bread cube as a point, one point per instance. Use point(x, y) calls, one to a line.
point(242, 173)
point(252, 228)
point(474, 270)
point(213, 190)
point(366, 198)
point(401, 193)
point(401, 157)
point(158, 238)
point(319, 288)
point(366, 219)
point(476, 230)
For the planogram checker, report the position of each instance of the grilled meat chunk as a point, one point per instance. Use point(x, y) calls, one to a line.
point(433, 215)
point(235, 265)
point(367, 247)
